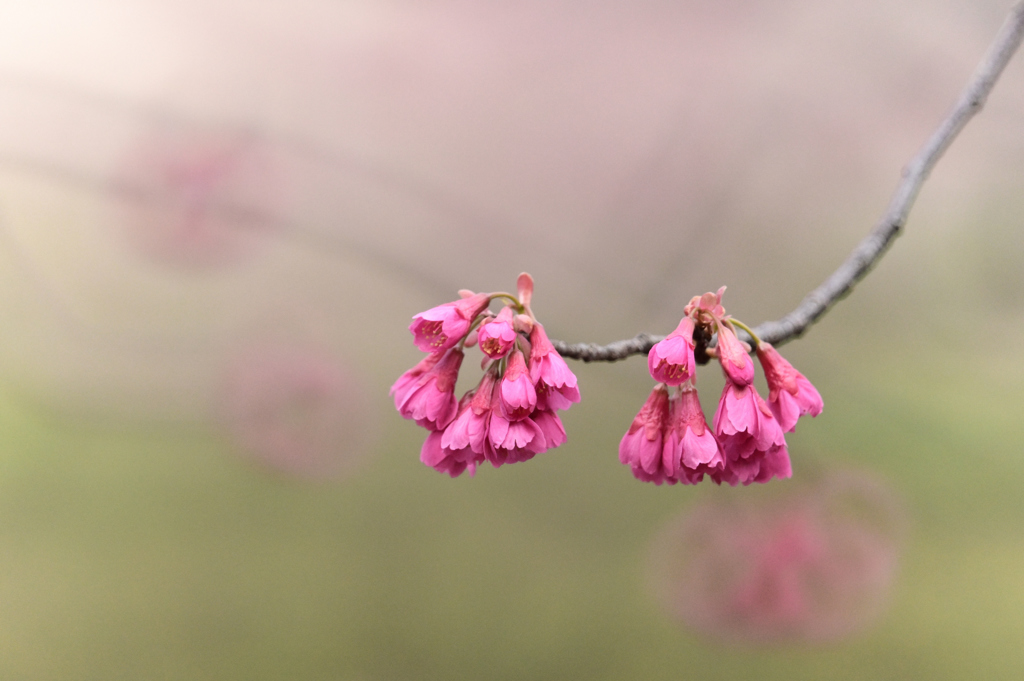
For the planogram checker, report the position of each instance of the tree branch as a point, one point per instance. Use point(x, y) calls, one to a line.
point(873, 247)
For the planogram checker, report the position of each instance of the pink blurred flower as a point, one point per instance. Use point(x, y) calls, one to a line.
point(750, 437)
point(497, 337)
point(690, 447)
point(555, 383)
point(443, 326)
point(671, 361)
point(430, 401)
point(813, 564)
point(297, 410)
point(518, 396)
point(790, 395)
point(641, 448)
point(200, 198)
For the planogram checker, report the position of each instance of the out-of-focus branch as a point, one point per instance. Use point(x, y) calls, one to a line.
point(870, 250)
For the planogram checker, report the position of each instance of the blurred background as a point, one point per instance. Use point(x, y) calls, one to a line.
point(217, 218)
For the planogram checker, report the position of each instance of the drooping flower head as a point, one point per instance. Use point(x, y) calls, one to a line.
point(671, 361)
point(497, 337)
point(443, 326)
point(790, 394)
point(750, 437)
point(512, 441)
point(429, 399)
point(642, 447)
point(732, 354)
point(518, 396)
point(555, 382)
point(510, 416)
point(469, 429)
point(691, 450)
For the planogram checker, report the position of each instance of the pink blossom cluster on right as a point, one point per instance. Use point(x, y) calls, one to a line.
point(670, 442)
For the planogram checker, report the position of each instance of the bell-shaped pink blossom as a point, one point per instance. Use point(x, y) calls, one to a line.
point(429, 399)
point(551, 427)
point(409, 381)
point(518, 396)
point(671, 361)
point(497, 336)
point(790, 394)
point(454, 463)
point(732, 354)
point(750, 437)
point(512, 441)
point(641, 447)
point(470, 427)
point(555, 383)
point(690, 449)
point(443, 326)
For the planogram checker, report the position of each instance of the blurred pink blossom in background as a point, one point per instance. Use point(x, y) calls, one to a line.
point(201, 196)
point(297, 410)
point(811, 564)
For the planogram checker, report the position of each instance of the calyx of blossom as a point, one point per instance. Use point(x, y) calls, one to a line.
point(555, 382)
point(790, 394)
point(750, 437)
point(497, 336)
point(518, 396)
point(641, 448)
point(671, 361)
point(732, 355)
point(691, 450)
point(429, 399)
point(443, 326)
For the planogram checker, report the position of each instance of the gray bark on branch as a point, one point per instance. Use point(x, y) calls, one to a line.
point(869, 251)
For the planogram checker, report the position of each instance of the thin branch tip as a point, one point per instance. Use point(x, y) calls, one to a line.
point(872, 247)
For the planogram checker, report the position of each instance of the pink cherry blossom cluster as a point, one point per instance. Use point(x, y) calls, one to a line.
point(510, 416)
point(669, 440)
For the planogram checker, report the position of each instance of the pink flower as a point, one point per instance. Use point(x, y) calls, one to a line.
point(750, 437)
point(454, 463)
point(430, 401)
point(409, 381)
point(298, 410)
point(671, 361)
point(497, 337)
point(469, 429)
point(518, 396)
point(814, 562)
point(732, 355)
point(441, 327)
point(790, 395)
point(550, 427)
point(641, 447)
point(512, 441)
point(690, 448)
point(554, 381)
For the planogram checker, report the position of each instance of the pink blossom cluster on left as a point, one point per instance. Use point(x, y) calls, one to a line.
point(511, 415)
